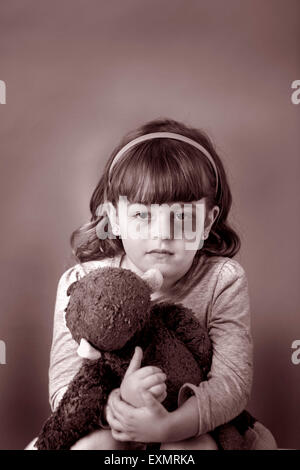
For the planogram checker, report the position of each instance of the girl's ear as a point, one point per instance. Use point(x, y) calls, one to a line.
point(211, 217)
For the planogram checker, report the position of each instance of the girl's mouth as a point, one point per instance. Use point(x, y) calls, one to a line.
point(160, 254)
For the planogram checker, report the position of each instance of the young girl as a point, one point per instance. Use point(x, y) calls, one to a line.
point(163, 163)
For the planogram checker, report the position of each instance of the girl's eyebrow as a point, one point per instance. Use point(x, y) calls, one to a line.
point(183, 205)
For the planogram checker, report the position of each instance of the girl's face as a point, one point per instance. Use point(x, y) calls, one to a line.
point(176, 228)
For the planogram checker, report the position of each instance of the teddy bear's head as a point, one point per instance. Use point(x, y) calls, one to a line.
point(109, 305)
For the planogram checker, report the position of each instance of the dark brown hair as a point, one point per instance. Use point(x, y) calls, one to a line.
point(162, 171)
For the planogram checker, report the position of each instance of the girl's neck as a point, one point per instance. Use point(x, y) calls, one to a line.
point(127, 264)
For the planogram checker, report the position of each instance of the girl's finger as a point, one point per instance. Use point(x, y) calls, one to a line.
point(150, 401)
point(117, 416)
point(162, 397)
point(114, 395)
point(121, 436)
point(135, 362)
point(114, 398)
point(109, 415)
point(158, 390)
point(113, 422)
point(155, 379)
point(121, 410)
point(148, 370)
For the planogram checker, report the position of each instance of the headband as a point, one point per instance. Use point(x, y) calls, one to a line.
point(164, 135)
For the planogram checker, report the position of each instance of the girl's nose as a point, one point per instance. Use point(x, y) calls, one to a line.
point(161, 227)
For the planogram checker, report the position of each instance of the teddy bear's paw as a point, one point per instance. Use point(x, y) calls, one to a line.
point(87, 351)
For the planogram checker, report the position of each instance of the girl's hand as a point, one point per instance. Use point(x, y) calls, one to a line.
point(137, 380)
point(148, 423)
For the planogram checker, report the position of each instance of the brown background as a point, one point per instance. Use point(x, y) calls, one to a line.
point(79, 74)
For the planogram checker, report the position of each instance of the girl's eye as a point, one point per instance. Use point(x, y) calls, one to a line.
point(144, 215)
point(183, 215)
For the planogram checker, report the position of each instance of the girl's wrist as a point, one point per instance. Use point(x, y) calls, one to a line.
point(181, 423)
point(167, 427)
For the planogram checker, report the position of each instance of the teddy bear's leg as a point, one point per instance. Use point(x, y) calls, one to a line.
point(203, 442)
point(80, 409)
point(102, 439)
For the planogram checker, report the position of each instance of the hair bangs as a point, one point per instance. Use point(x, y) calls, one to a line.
point(161, 171)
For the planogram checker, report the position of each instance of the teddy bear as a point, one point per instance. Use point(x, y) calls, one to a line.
point(109, 313)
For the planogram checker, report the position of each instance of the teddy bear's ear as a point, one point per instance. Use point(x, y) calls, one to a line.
point(71, 287)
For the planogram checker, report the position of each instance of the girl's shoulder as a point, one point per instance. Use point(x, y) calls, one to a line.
point(223, 266)
point(215, 274)
point(81, 269)
point(218, 275)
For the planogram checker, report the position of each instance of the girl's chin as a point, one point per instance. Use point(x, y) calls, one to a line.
point(159, 263)
point(164, 268)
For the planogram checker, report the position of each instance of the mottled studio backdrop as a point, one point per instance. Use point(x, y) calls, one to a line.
point(81, 73)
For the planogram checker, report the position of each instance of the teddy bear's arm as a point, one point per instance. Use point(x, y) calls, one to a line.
point(81, 407)
point(190, 331)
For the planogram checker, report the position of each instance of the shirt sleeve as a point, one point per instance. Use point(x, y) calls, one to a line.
point(64, 360)
point(227, 389)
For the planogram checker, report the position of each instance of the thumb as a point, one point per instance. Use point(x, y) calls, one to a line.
point(135, 362)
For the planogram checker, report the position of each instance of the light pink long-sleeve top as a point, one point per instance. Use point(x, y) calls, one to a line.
point(221, 301)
